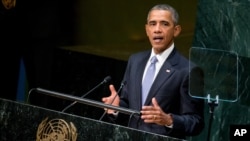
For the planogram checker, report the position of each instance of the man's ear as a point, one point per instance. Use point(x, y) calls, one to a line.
point(177, 30)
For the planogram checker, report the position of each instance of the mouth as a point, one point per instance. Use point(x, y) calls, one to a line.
point(158, 38)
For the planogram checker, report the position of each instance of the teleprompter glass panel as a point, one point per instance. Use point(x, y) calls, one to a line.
point(213, 74)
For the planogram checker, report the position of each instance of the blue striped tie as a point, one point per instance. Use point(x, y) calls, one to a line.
point(148, 79)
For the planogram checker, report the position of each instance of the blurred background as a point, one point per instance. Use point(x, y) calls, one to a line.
point(70, 46)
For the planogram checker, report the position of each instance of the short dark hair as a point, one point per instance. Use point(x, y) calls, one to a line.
point(166, 7)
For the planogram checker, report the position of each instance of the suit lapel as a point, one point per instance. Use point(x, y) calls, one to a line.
point(138, 77)
point(165, 72)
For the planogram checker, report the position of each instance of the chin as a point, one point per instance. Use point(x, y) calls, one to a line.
point(158, 49)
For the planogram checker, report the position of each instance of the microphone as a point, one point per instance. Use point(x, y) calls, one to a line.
point(121, 86)
point(106, 80)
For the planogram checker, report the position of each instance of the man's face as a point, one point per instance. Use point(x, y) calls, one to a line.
point(161, 30)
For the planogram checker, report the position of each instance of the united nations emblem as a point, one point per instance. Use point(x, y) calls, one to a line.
point(56, 130)
point(8, 4)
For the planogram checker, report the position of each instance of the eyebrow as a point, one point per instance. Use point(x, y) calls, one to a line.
point(163, 21)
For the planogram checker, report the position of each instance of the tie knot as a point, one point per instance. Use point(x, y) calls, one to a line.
point(153, 60)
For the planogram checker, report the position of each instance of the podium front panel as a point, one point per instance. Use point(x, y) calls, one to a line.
point(24, 122)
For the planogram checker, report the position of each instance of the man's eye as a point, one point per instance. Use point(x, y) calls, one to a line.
point(165, 24)
point(151, 24)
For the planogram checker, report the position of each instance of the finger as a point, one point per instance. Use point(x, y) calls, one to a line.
point(112, 90)
point(104, 99)
point(148, 111)
point(147, 117)
point(155, 103)
point(150, 119)
point(154, 117)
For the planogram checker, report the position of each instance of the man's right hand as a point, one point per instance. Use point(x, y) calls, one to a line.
point(113, 99)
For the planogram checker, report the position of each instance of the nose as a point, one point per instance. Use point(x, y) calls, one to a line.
point(157, 28)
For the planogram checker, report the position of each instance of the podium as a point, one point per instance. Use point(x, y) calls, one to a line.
point(25, 122)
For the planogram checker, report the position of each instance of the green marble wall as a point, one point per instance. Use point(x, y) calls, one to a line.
point(224, 25)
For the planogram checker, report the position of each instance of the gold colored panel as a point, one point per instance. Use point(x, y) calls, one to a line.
point(56, 129)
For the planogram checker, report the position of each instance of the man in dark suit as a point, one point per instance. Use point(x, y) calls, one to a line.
point(167, 109)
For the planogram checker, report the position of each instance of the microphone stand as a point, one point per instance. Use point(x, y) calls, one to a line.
point(106, 79)
point(81, 97)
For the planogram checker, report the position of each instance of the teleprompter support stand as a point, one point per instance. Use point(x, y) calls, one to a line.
point(212, 103)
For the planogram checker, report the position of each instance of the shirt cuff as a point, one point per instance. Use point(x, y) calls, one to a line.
point(169, 126)
point(115, 113)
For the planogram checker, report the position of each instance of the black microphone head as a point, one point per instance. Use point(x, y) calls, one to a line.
point(124, 82)
point(107, 79)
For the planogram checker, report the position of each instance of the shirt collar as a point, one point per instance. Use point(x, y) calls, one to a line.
point(164, 55)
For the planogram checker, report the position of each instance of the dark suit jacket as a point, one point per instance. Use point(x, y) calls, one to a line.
point(170, 88)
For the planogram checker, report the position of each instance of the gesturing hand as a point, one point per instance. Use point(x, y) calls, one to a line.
point(154, 114)
point(113, 99)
